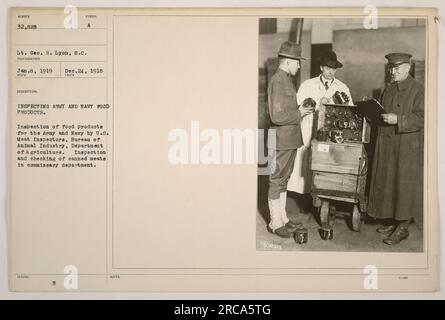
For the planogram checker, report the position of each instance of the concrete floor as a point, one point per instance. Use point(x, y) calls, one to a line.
point(299, 209)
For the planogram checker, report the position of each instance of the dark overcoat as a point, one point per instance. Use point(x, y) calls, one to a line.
point(396, 189)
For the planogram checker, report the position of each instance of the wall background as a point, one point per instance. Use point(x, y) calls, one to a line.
point(362, 53)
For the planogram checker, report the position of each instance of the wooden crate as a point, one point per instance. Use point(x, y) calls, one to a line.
point(328, 114)
point(338, 184)
point(347, 157)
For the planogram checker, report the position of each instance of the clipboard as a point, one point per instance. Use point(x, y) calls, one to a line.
point(371, 109)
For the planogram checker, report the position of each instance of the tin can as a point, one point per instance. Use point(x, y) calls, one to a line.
point(337, 97)
point(301, 235)
point(323, 135)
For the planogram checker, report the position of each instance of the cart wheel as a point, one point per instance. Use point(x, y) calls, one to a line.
point(324, 213)
point(356, 219)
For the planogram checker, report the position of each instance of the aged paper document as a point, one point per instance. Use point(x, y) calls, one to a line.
point(136, 148)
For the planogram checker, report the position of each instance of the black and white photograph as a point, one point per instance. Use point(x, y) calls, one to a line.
point(342, 101)
point(250, 150)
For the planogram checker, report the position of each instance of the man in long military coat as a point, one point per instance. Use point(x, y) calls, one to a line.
point(286, 117)
point(397, 175)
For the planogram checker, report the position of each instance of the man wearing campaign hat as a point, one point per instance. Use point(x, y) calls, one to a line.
point(285, 116)
point(320, 88)
point(396, 190)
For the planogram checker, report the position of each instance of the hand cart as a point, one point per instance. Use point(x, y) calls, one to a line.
point(339, 163)
point(339, 175)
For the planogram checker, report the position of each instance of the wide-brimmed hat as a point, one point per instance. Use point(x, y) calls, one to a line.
point(329, 58)
point(290, 50)
point(397, 58)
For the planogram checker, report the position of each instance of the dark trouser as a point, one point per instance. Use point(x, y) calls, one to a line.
point(284, 164)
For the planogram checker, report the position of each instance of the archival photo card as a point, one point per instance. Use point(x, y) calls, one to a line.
point(222, 150)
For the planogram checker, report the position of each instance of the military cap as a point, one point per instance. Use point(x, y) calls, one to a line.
point(397, 58)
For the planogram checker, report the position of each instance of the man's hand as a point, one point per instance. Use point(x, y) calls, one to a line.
point(307, 107)
point(304, 111)
point(389, 118)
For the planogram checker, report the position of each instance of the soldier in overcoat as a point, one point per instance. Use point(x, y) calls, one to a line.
point(396, 190)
